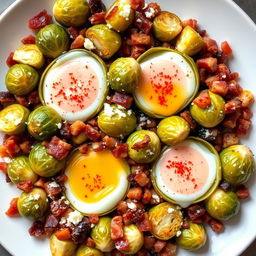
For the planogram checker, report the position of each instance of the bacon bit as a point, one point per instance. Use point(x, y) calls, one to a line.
point(223, 72)
point(89, 242)
point(97, 18)
point(3, 167)
point(149, 242)
point(159, 245)
point(33, 98)
point(96, 6)
point(231, 120)
point(233, 105)
point(226, 49)
point(6, 97)
point(230, 139)
point(78, 42)
point(122, 244)
point(10, 61)
point(117, 228)
point(37, 229)
point(142, 23)
point(97, 146)
point(13, 208)
point(210, 64)
point(140, 39)
point(65, 130)
point(212, 79)
point(26, 186)
point(29, 40)
point(207, 218)
point(40, 20)
point(243, 126)
point(187, 116)
point(92, 133)
point(190, 22)
point(211, 45)
point(93, 122)
point(83, 149)
point(94, 218)
point(50, 224)
point(152, 8)
point(63, 234)
point(169, 250)
point(137, 5)
point(142, 144)
point(61, 178)
point(52, 191)
point(135, 193)
point(11, 147)
point(137, 51)
point(202, 75)
point(22, 100)
point(127, 217)
point(246, 114)
point(77, 128)
point(40, 183)
point(146, 196)
point(234, 76)
point(219, 87)
point(82, 32)
point(73, 32)
point(234, 88)
point(58, 207)
point(112, 13)
point(142, 179)
point(203, 100)
point(125, 49)
point(242, 192)
point(144, 225)
point(121, 99)
point(109, 142)
point(121, 150)
point(185, 224)
point(195, 212)
point(122, 207)
point(247, 98)
point(216, 225)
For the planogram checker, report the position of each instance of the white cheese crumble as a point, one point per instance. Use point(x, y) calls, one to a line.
point(33, 197)
point(178, 233)
point(156, 197)
point(59, 125)
point(7, 160)
point(170, 210)
point(17, 121)
point(150, 13)
point(109, 26)
point(118, 79)
point(131, 205)
point(88, 44)
point(63, 220)
point(36, 206)
point(125, 12)
point(111, 112)
point(74, 217)
point(54, 184)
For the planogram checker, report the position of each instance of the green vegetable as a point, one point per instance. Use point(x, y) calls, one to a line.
point(52, 40)
point(43, 122)
point(166, 26)
point(19, 170)
point(166, 220)
point(42, 163)
point(192, 238)
point(13, 119)
point(84, 250)
point(124, 75)
point(237, 164)
point(222, 205)
point(116, 121)
point(173, 130)
point(21, 79)
point(33, 204)
point(148, 153)
point(106, 41)
point(101, 235)
point(211, 116)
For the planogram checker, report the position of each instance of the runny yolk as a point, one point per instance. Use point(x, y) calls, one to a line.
point(95, 175)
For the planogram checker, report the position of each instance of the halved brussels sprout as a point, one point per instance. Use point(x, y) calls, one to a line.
point(166, 220)
point(101, 235)
point(19, 170)
point(13, 119)
point(237, 164)
point(148, 153)
point(120, 15)
point(33, 204)
point(29, 54)
point(166, 26)
point(116, 121)
point(173, 130)
point(189, 41)
point(52, 40)
point(84, 250)
point(43, 122)
point(71, 12)
point(42, 163)
point(211, 116)
point(61, 248)
point(21, 79)
point(222, 205)
point(106, 41)
point(192, 238)
point(124, 75)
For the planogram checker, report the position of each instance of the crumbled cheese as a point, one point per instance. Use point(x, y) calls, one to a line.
point(149, 121)
point(88, 44)
point(170, 210)
point(149, 152)
point(129, 112)
point(92, 225)
point(131, 205)
point(37, 206)
point(64, 199)
point(17, 121)
point(62, 221)
point(74, 217)
point(7, 160)
point(118, 79)
point(59, 125)
point(139, 20)
point(156, 197)
point(33, 197)
point(109, 26)
point(108, 109)
point(150, 13)
point(178, 233)
point(108, 97)
point(53, 184)
point(125, 12)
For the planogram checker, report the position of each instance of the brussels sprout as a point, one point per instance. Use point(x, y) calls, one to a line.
point(222, 205)
point(124, 74)
point(166, 220)
point(29, 54)
point(42, 163)
point(120, 15)
point(13, 119)
point(148, 153)
point(84, 250)
point(106, 41)
point(21, 79)
point(166, 26)
point(71, 12)
point(116, 121)
point(173, 130)
point(237, 164)
point(43, 122)
point(101, 235)
point(33, 204)
point(79, 139)
point(61, 248)
point(52, 40)
point(19, 170)
point(189, 41)
point(211, 116)
point(192, 238)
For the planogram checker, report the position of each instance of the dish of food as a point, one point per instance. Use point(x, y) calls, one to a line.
point(125, 131)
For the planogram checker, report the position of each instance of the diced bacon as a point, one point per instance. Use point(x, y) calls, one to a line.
point(90, 243)
point(30, 39)
point(96, 6)
point(33, 98)
point(78, 42)
point(10, 61)
point(216, 225)
point(142, 144)
point(233, 105)
point(202, 75)
point(110, 142)
point(210, 64)
point(26, 186)
point(159, 245)
point(234, 76)
point(152, 10)
point(144, 224)
point(146, 196)
point(11, 148)
point(190, 22)
point(51, 190)
point(137, 51)
point(61, 178)
point(97, 146)
point(142, 179)
point(112, 13)
point(83, 149)
point(94, 218)
point(169, 250)
point(37, 229)
point(219, 87)
point(40, 183)
point(127, 217)
point(58, 207)
point(243, 126)
point(230, 139)
point(3, 167)
point(121, 99)
point(212, 79)
point(63, 234)
point(135, 193)
point(247, 98)
point(242, 192)
point(231, 120)
point(195, 212)
point(82, 32)
point(122, 207)
point(246, 114)
point(149, 242)
point(211, 45)
point(121, 150)
point(73, 32)
point(223, 72)
point(93, 122)
point(50, 224)
point(187, 116)
point(77, 127)
point(140, 39)
point(97, 18)
point(142, 23)
point(40, 20)
point(13, 208)
point(203, 100)
point(185, 224)
point(6, 97)
point(65, 130)
point(206, 218)
point(117, 228)
point(122, 244)
point(125, 49)
point(226, 49)
point(137, 4)
point(81, 231)
point(234, 88)
point(92, 133)
point(22, 100)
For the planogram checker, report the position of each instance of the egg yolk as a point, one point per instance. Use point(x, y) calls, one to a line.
point(95, 175)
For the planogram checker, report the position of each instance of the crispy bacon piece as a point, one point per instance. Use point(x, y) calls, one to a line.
point(210, 64)
point(142, 179)
point(190, 22)
point(30, 39)
point(73, 32)
point(112, 13)
point(234, 88)
point(159, 245)
point(211, 79)
point(127, 217)
point(33, 98)
point(121, 150)
point(135, 193)
point(219, 87)
point(6, 97)
point(146, 196)
point(137, 5)
point(243, 126)
point(84, 148)
point(11, 147)
point(234, 76)
point(233, 105)
point(247, 98)
point(122, 244)
point(94, 218)
point(142, 23)
point(142, 144)
point(121, 99)
point(149, 242)
point(211, 45)
point(230, 139)
point(77, 128)
point(77, 43)
point(51, 223)
point(97, 18)
point(137, 50)
point(92, 133)
point(10, 61)
point(231, 120)
point(13, 208)
point(63, 234)
point(195, 212)
point(110, 142)
point(22, 100)
point(40, 183)
point(97, 146)
point(37, 229)
point(242, 192)
point(223, 72)
point(246, 114)
point(96, 6)
point(117, 228)
point(65, 130)
point(153, 9)
point(125, 49)
point(122, 207)
point(185, 224)
point(3, 167)
point(81, 231)
point(140, 39)
point(144, 224)
point(26, 186)
point(216, 225)
point(169, 250)
point(187, 116)
point(226, 49)
point(40, 20)
point(58, 207)
point(52, 190)
point(203, 100)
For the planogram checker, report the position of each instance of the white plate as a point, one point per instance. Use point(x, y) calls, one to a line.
point(224, 20)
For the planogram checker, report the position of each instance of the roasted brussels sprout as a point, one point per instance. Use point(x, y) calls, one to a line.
point(189, 41)
point(166, 26)
point(29, 54)
point(21, 79)
point(222, 205)
point(192, 238)
point(211, 116)
point(173, 130)
point(43, 122)
point(71, 12)
point(33, 204)
point(42, 163)
point(147, 153)
point(13, 119)
point(101, 235)
point(166, 220)
point(52, 40)
point(61, 248)
point(84, 250)
point(116, 121)
point(124, 74)
point(237, 164)
point(19, 170)
point(79, 139)
point(106, 41)
point(120, 15)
